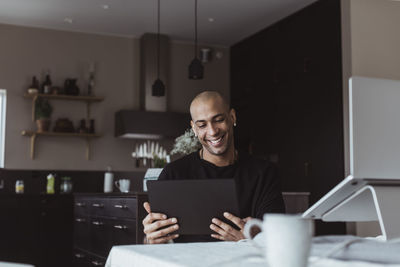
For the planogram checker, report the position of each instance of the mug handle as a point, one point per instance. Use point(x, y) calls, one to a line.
point(117, 185)
point(247, 231)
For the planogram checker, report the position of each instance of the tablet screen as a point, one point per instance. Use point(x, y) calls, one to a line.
point(194, 202)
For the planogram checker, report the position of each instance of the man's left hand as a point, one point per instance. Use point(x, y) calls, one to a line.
point(226, 232)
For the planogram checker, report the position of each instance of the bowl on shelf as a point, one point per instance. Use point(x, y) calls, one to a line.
point(33, 91)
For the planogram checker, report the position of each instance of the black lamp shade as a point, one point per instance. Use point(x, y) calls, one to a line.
point(196, 70)
point(158, 88)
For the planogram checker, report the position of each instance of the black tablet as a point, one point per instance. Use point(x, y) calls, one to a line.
point(194, 202)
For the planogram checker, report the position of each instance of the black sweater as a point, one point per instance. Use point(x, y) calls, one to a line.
point(257, 183)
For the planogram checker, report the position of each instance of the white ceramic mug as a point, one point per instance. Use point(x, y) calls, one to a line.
point(286, 239)
point(123, 185)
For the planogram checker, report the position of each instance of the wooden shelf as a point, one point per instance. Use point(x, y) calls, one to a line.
point(66, 97)
point(86, 99)
point(33, 135)
point(86, 135)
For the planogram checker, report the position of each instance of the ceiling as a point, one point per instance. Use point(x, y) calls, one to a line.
point(220, 22)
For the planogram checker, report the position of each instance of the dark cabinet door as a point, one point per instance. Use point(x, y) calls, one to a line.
point(8, 222)
point(36, 230)
point(55, 237)
point(27, 230)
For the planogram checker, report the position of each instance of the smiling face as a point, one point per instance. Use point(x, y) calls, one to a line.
point(212, 122)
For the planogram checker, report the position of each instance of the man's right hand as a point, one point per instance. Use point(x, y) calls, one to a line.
point(152, 224)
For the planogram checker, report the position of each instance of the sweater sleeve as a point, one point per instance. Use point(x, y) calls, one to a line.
point(270, 200)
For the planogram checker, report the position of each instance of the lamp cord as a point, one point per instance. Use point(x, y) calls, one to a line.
point(158, 40)
point(195, 28)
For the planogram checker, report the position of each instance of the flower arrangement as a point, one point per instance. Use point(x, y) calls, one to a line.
point(186, 143)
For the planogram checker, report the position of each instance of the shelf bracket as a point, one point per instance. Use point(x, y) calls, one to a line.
point(88, 111)
point(34, 99)
point(33, 141)
point(87, 148)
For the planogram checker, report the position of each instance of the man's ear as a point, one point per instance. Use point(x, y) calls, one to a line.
point(232, 113)
point(192, 125)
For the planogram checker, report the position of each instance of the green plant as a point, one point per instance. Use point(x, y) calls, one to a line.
point(159, 162)
point(43, 109)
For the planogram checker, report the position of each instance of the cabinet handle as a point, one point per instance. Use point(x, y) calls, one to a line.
point(80, 220)
point(97, 263)
point(98, 205)
point(79, 255)
point(97, 223)
point(120, 206)
point(80, 204)
point(122, 227)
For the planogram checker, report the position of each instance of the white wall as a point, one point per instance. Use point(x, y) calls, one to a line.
point(371, 42)
point(30, 51)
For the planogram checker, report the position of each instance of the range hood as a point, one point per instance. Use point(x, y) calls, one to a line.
point(152, 120)
point(150, 124)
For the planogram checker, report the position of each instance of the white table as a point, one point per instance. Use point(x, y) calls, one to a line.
point(205, 255)
point(10, 264)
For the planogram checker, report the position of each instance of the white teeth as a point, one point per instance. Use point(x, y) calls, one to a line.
point(215, 141)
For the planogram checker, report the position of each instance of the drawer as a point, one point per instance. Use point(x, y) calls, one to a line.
point(80, 258)
point(84, 259)
point(95, 261)
point(100, 235)
point(82, 206)
point(123, 232)
point(98, 206)
point(82, 232)
point(106, 233)
point(121, 207)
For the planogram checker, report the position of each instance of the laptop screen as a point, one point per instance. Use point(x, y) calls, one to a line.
point(374, 107)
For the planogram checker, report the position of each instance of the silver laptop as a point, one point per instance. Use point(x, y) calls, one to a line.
point(374, 110)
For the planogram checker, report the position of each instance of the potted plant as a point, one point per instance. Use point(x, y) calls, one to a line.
point(43, 111)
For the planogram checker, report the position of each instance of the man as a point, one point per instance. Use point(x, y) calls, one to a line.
point(256, 180)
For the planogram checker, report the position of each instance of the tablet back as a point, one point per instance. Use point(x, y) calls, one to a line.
point(194, 202)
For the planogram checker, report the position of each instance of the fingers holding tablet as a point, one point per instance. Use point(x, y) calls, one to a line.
point(225, 231)
point(158, 228)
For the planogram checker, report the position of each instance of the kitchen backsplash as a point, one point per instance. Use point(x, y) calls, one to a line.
point(83, 181)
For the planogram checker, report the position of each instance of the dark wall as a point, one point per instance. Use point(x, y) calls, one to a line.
point(286, 86)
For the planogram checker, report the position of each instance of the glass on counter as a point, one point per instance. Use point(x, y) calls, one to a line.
point(19, 187)
point(66, 185)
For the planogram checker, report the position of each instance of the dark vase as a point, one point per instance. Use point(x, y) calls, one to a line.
point(70, 87)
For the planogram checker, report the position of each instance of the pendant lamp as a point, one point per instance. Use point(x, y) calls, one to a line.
point(158, 88)
point(196, 69)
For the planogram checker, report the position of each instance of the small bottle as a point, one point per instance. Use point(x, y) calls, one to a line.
point(46, 86)
point(19, 187)
point(82, 127)
point(50, 184)
point(91, 84)
point(91, 127)
point(108, 181)
point(34, 87)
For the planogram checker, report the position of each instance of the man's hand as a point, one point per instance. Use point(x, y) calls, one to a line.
point(152, 224)
point(225, 231)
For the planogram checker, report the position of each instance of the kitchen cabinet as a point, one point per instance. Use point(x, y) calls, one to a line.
point(287, 92)
point(34, 134)
point(36, 229)
point(104, 220)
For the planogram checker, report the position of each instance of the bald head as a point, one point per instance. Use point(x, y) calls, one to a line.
point(207, 96)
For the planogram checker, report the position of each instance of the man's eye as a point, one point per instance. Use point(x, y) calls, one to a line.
point(201, 126)
point(220, 120)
